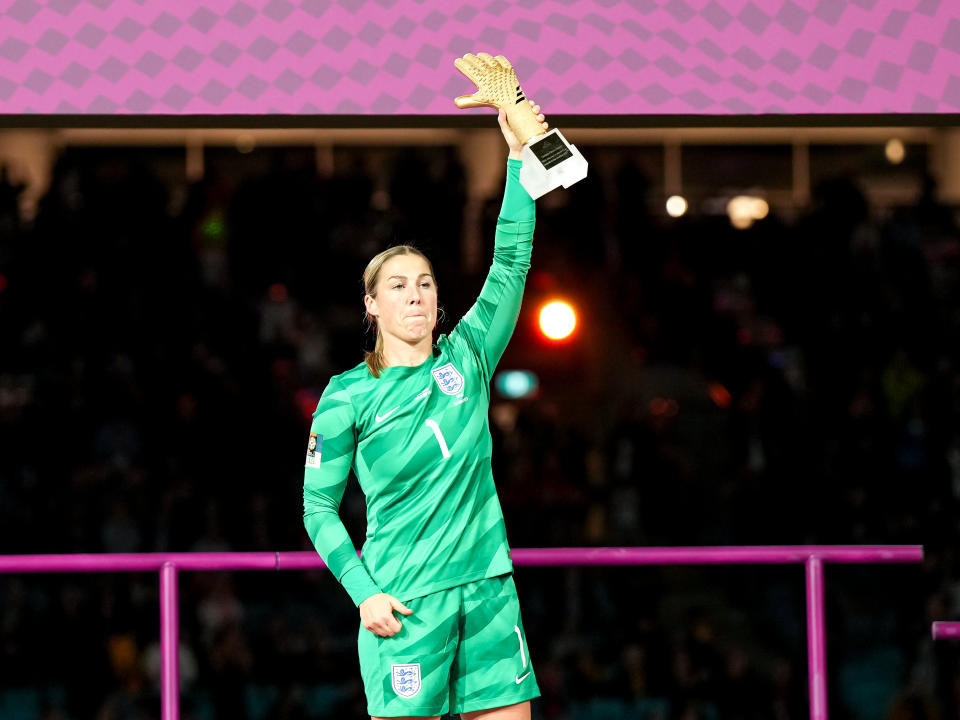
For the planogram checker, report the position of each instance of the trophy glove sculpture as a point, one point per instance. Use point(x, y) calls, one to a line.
point(548, 159)
point(498, 87)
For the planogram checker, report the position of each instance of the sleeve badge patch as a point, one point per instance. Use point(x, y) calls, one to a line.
point(314, 446)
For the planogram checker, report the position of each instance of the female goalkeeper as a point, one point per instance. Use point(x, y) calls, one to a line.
point(411, 420)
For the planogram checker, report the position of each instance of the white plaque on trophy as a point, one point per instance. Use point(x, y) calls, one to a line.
point(550, 161)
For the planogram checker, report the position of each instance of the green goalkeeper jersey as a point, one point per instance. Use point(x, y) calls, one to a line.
point(419, 442)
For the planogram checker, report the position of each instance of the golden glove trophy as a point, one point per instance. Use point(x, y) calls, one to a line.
point(548, 159)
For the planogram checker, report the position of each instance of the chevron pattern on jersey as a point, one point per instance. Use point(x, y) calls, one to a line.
point(392, 57)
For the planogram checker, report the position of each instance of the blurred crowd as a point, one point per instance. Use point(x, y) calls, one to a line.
point(163, 345)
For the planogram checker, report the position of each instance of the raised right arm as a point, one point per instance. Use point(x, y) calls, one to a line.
point(324, 480)
point(489, 323)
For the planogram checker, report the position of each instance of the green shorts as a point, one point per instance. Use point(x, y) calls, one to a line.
point(462, 649)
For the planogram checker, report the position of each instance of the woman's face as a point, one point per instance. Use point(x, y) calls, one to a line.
point(405, 305)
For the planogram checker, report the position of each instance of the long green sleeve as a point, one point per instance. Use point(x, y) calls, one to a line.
point(325, 478)
point(488, 325)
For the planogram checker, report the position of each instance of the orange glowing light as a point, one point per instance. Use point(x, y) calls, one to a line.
point(719, 394)
point(557, 320)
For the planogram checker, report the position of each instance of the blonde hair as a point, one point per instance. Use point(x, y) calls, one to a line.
point(371, 276)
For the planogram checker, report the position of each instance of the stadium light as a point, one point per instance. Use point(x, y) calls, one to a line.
point(557, 320)
point(895, 151)
point(517, 384)
point(676, 206)
point(743, 210)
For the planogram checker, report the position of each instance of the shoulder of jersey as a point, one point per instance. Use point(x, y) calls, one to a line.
point(360, 372)
point(448, 343)
point(357, 373)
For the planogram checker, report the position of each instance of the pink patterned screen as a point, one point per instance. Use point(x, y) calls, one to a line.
point(393, 57)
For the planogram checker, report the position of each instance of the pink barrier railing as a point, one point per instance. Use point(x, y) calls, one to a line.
point(946, 630)
point(169, 564)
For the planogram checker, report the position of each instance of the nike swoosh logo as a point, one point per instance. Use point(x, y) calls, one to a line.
point(423, 394)
point(381, 418)
point(521, 679)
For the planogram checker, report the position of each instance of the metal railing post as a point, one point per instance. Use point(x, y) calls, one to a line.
point(942, 630)
point(169, 643)
point(816, 639)
point(169, 564)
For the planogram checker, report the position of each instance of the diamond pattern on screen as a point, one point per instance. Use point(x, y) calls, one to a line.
point(597, 58)
point(127, 30)
point(396, 56)
point(12, 49)
point(113, 70)
point(793, 17)
point(674, 38)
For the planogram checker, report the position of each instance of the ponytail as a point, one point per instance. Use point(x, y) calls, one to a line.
point(374, 359)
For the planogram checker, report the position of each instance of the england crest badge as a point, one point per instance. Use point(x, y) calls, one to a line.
point(406, 679)
point(449, 379)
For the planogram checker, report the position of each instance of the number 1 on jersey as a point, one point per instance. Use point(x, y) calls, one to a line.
point(432, 424)
point(520, 638)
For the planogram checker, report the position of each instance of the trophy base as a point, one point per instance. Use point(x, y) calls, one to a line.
point(550, 161)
